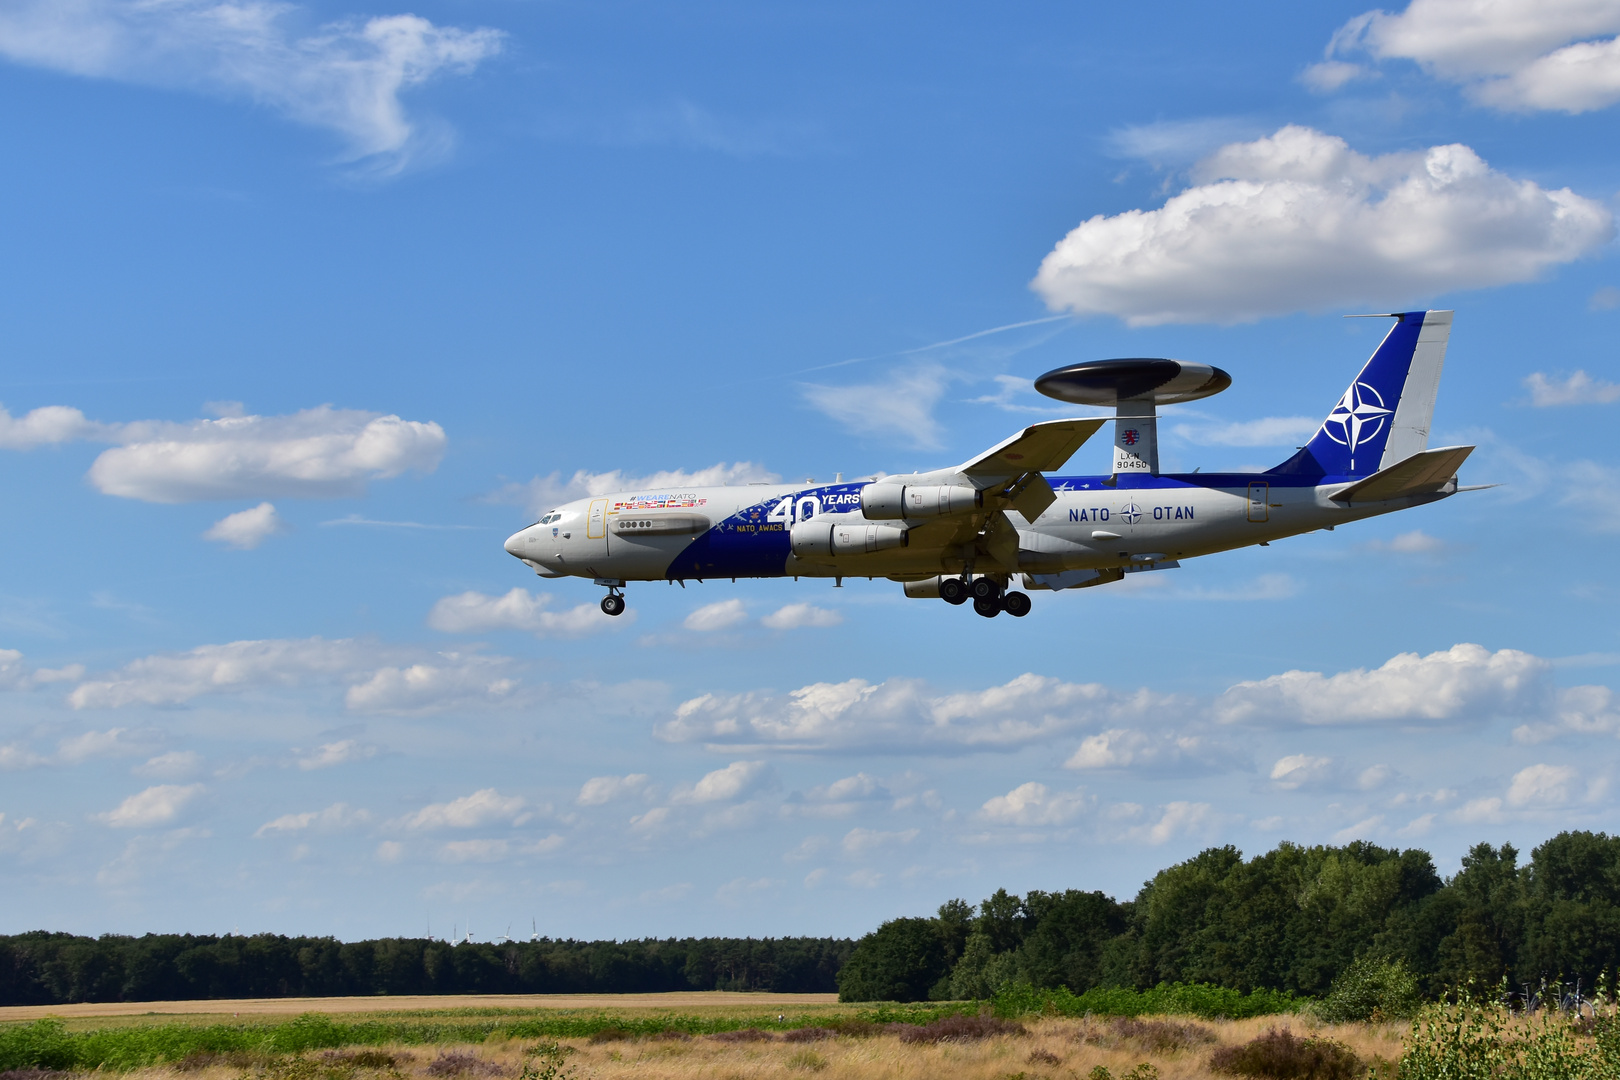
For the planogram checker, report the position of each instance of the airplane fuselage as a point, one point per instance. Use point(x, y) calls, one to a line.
point(1135, 522)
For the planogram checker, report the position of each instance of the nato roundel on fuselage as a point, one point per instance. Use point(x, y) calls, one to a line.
point(1141, 378)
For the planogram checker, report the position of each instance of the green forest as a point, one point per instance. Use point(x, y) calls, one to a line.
point(1291, 920)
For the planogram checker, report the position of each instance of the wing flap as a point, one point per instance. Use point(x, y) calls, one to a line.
point(1419, 474)
point(1038, 448)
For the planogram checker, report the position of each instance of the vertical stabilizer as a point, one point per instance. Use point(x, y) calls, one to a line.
point(1383, 417)
point(1409, 432)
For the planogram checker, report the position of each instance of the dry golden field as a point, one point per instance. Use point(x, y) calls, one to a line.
point(1174, 1048)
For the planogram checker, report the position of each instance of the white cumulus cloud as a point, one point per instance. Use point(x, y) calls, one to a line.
point(176, 678)
point(1125, 748)
point(345, 77)
point(548, 492)
point(246, 529)
point(1577, 389)
point(1541, 785)
point(45, 426)
point(798, 616)
point(17, 674)
point(735, 780)
point(157, 805)
point(1177, 819)
point(604, 789)
point(1460, 683)
point(470, 811)
point(334, 753)
point(334, 817)
point(474, 612)
point(378, 678)
point(451, 680)
point(903, 713)
point(1514, 55)
point(721, 615)
point(317, 453)
point(1301, 770)
point(1299, 221)
point(1033, 804)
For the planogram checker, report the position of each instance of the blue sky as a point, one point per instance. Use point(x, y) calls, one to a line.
point(309, 305)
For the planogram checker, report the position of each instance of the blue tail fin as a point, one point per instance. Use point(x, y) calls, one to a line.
point(1384, 416)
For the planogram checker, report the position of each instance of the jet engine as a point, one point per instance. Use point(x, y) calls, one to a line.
point(818, 536)
point(917, 500)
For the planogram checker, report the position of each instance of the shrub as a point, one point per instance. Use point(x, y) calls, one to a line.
point(1183, 999)
point(461, 1063)
point(44, 1044)
point(1370, 989)
point(1162, 1036)
point(1281, 1055)
point(610, 1034)
point(743, 1035)
point(808, 1034)
point(959, 1029)
point(364, 1059)
point(1043, 1057)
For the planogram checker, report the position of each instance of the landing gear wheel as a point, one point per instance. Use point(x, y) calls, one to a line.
point(1015, 604)
point(986, 589)
point(613, 604)
point(953, 590)
point(989, 606)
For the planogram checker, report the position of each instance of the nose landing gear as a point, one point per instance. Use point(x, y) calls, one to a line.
point(613, 602)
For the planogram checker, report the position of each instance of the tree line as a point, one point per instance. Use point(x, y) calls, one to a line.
point(1293, 919)
point(47, 968)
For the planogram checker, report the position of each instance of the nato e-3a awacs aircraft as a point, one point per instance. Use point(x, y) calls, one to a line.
point(969, 531)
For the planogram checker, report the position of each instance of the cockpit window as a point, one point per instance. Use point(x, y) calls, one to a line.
point(549, 518)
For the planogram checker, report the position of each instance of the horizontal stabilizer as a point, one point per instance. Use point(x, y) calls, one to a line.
point(1419, 474)
point(1038, 448)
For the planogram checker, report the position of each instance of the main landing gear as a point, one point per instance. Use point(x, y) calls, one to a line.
point(987, 595)
point(613, 602)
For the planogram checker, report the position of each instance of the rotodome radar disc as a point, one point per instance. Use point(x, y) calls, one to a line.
point(1142, 378)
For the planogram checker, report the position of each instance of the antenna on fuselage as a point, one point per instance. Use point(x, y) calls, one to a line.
point(1135, 387)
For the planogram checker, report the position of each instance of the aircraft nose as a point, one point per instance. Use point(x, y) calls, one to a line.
point(514, 543)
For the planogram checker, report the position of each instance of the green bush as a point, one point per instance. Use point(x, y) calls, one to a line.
point(1371, 989)
point(44, 1044)
point(1470, 1039)
point(1166, 999)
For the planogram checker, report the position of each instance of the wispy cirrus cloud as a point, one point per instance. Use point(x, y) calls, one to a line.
point(347, 77)
point(898, 408)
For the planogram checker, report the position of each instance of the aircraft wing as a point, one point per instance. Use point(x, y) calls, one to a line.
point(1012, 469)
point(1038, 448)
point(1419, 474)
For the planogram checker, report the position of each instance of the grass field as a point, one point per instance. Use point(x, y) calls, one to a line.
point(825, 1041)
point(650, 1037)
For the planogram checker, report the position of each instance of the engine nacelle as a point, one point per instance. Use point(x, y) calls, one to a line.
point(822, 537)
point(892, 501)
